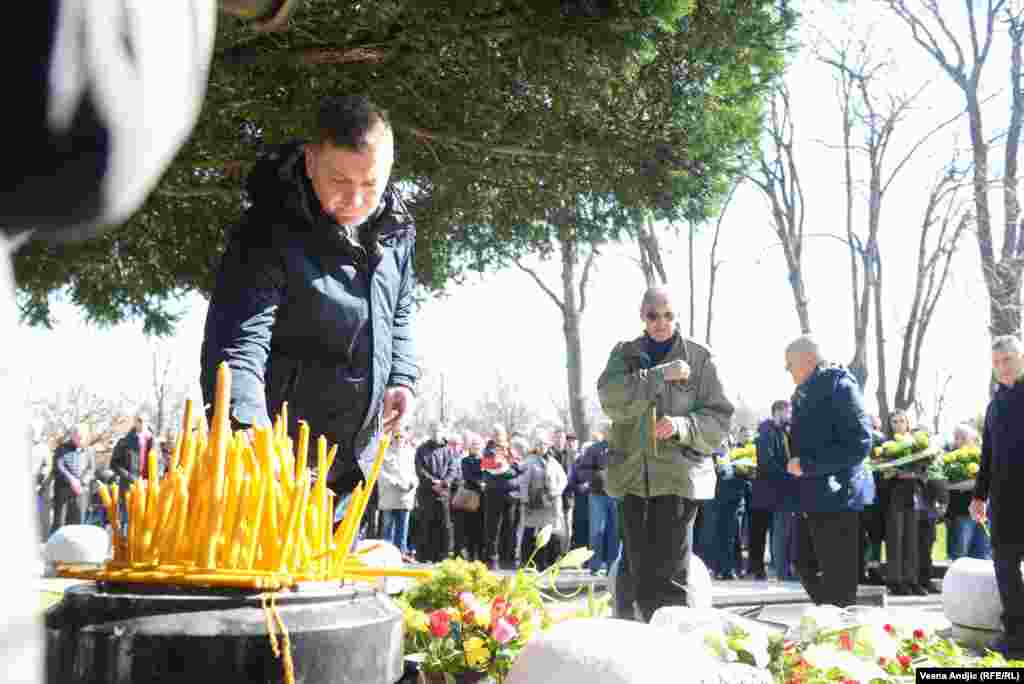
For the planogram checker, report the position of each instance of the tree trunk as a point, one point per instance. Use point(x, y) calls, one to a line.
point(693, 305)
point(796, 283)
point(571, 311)
point(882, 391)
point(860, 301)
point(651, 262)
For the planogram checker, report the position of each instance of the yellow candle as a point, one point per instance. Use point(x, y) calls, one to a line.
point(302, 453)
point(296, 518)
point(219, 443)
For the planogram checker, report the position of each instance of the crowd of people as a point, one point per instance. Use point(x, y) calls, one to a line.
point(486, 497)
point(67, 478)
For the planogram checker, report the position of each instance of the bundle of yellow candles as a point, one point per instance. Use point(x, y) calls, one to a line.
point(235, 512)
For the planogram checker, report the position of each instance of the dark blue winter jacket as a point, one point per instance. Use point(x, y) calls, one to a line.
point(831, 436)
point(774, 489)
point(305, 312)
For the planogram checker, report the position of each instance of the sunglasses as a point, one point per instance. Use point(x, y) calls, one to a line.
point(653, 316)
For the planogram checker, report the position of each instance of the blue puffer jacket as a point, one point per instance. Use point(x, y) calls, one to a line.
point(831, 436)
point(304, 313)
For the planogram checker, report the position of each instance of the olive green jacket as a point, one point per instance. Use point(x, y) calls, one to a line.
point(681, 465)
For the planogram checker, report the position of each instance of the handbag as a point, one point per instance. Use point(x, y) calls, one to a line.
point(466, 500)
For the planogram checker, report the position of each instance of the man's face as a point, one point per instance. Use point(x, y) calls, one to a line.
point(800, 365)
point(76, 438)
point(559, 440)
point(783, 415)
point(959, 439)
point(1007, 366)
point(140, 424)
point(350, 183)
point(659, 320)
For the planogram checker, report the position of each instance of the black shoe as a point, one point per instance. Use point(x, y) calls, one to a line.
point(918, 590)
point(761, 576)
point(898, 589)
point(727, 575)
point(932, 589)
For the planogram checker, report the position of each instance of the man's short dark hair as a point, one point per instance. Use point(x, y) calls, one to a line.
point(779, 405)
point(347, 120)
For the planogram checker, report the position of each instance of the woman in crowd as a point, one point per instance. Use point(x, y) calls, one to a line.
point(541, 488)
point(905, 505)
point(397, 486)
point(473, 481)
point(501, 496)
point(964, 535)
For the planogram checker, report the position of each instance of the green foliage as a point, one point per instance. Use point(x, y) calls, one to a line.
point(518, 122)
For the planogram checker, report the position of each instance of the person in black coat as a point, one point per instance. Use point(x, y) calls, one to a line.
point(773, 495)
point(313, 303)
point(437, 470)
point(998, 482)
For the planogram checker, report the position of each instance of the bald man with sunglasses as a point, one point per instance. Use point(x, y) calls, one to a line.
point(668, 411)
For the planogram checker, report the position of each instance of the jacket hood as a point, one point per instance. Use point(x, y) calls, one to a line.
point(278, 184)
point(825, 378)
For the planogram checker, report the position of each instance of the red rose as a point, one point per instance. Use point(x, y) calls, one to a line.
point(919, 634)
point(498, 608)
point(845, 641)
point(440, 624)
point(904, 661)
point(882, 661)
point(512, 620)
point(915, 648)
point(888, 628)
point(851, 681)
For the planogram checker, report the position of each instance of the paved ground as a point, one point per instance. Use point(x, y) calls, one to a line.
point(927, 609)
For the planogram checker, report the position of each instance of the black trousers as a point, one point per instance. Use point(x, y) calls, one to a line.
point(1007, 559)
point(760, 523)
point(658, 534)
point(826, 558)
point(473, 533)
point(901, 545)
point(435, 528)
point(499, 522)
point(925, 542)
point(68, 508)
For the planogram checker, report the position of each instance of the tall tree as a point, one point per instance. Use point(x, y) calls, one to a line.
point(873, 112)
point(944, 223)
point(963, 59)
point(571, 304)
point(713, 263)
point(775, 173)
point(502, 110)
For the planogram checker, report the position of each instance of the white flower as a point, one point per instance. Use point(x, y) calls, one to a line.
point(576, 557)
point(877, 641)
point(827, 657)
point(817, 619)
point(543, 537)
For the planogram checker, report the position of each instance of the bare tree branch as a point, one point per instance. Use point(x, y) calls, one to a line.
point(547, 290)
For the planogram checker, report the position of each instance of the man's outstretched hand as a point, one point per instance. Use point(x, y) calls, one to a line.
point(398, 405)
